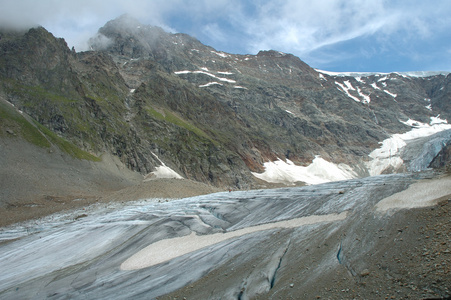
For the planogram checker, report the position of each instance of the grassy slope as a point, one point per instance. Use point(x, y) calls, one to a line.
point(15, 124)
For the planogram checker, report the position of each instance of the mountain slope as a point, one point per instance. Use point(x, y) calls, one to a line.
point(152, 98)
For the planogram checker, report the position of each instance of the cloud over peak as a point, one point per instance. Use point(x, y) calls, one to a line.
point(312, 30)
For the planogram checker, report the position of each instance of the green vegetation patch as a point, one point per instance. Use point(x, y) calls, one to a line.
point(34, 92)
point(12, 120)
point(172, 118)
point(37, 134)
point(66, 146)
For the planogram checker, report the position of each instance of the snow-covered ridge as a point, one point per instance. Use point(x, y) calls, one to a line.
point(367, 74)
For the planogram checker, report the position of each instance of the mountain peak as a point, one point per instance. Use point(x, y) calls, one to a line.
point(124, 21)
point(272, 53)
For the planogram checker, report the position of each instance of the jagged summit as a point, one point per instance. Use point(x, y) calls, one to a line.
point(124, 22)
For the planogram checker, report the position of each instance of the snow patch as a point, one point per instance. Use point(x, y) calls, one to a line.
point(359, 79)
point(221, 54)
point(182, 72)
point(349, 85)
point(224, 73)
point(366, 98)
point(166, 172)
point(391, 94)
point(423, 73)
point(226, 80)
point(321, 76)
point(346, 90)
point(319, 171)
point(210, 83)
point(162, 171)
point(367, 74)
point(349, 74)
point(437, 120)
point(374, 85)
point(205, 71)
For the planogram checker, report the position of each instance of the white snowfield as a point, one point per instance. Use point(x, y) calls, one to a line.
point(388, 155)
point(366, 74)
point(319, 171)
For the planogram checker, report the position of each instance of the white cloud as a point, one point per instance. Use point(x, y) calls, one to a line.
point(301, 27)
point(214, 31)
point(76, 21)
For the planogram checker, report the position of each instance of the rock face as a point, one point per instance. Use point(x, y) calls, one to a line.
point(147, 97)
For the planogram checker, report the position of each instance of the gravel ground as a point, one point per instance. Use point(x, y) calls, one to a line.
point(35, 182)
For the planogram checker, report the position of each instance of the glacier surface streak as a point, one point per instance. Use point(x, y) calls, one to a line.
point(67, 257)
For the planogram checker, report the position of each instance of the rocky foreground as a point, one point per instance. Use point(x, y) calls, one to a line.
point(374, 250)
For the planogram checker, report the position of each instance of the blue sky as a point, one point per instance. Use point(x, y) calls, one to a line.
point(333, 35)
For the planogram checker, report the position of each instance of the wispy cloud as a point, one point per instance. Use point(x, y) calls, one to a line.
point(308, 29)
point(304, 26)
point(215, 32)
